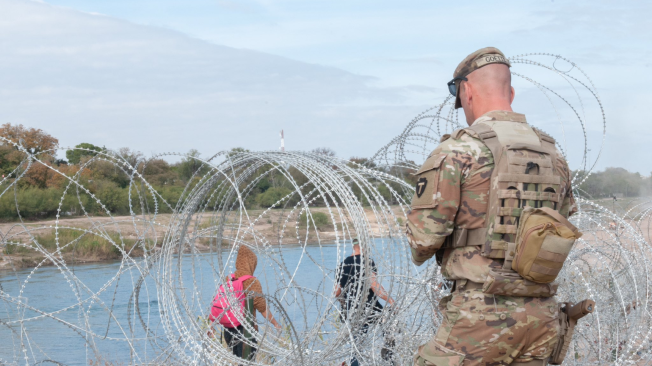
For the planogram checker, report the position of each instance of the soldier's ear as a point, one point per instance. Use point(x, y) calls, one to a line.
point(467, 94)
point(513, 95)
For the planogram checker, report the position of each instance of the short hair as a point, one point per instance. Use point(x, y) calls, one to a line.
point(355, 242)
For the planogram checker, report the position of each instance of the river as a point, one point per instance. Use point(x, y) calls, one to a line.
point(117, 331)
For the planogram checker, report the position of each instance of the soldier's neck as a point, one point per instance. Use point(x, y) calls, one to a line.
point(481, 109)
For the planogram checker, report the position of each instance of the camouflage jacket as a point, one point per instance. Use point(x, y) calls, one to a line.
point(461, 193)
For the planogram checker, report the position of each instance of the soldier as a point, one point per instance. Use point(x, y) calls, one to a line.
point(452, 218)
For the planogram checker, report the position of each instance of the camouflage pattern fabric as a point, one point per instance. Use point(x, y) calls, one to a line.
point(510, 283)
point(478, 328)
point(462, 183)
point(460, 200)
point(481, 329)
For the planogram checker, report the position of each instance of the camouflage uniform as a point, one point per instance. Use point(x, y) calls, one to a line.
point(478, 328)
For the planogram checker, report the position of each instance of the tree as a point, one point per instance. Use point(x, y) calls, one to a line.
point(327, 151)
point(190, 165)
point(35, 141)
point(363, 161)
point(613, 181)
point(82, 150)
point(235, 151)
point(159, 173)
point(9, 159)
point(131, 156)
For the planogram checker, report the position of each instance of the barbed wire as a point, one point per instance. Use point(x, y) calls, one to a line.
point(150, 306)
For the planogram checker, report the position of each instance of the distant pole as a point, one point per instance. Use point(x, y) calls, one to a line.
point(282, 142)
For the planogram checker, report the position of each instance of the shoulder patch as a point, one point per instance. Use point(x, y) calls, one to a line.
point(425, 191)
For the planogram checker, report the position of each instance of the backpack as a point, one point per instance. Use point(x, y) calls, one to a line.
point(226, 311)
point(523, 224)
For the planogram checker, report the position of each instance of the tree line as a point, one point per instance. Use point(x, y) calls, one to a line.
point(39, 189)
point(614, 182)
point(37, 193)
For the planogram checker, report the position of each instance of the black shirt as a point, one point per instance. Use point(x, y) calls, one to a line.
point(349, 276)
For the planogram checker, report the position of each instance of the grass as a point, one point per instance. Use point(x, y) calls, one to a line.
point(82, 244)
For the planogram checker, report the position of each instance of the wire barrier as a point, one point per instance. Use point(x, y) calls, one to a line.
point(60, 304)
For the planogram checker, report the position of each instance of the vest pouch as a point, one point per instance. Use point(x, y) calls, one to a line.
point(543, 242)
point(508, 283)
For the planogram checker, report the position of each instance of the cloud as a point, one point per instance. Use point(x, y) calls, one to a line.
point(155, 88)
point(235, 6)
point(418, 60)
point(93, 78)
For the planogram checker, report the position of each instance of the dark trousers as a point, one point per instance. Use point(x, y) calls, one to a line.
point(234, 338)
point(373, 318)
point(363, 330)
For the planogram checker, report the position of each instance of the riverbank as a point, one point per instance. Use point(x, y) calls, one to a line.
point(96, 239)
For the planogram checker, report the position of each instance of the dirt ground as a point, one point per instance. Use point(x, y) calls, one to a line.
point(273, 226)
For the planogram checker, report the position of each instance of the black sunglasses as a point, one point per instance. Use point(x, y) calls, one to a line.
point(452, 86)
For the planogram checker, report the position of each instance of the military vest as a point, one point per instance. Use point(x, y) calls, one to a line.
point(524, 182)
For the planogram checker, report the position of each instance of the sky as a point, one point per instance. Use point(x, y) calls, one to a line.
point(170, 75)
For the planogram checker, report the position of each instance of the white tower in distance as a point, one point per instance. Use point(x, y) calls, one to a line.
point(282, 142)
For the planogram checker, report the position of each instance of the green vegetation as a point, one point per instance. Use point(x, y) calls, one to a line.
point(78, 243)
point(616, 182)
point(75, 156)
point(37, 194)
point(270, 196)
point(321, 220)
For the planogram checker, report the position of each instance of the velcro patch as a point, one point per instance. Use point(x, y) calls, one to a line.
point(425, 190)
point(491, 58)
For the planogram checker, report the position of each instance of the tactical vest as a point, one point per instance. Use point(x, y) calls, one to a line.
point(524, 179)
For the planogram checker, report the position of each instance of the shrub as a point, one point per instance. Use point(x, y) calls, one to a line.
point(320, 219)
point(83, 244)
point(115, 199)
point(33, 203)
point(271, 196)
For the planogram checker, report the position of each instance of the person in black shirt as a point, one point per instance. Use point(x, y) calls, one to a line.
point(350, 275)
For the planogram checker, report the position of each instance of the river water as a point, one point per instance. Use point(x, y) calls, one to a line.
point(117, 330)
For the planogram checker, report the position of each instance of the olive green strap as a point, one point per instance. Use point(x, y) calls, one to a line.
point(468, 237)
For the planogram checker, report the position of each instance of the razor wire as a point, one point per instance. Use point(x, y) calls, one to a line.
point(153, 308)
point(150, 305)
point(610, 263)
point(570, 98)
